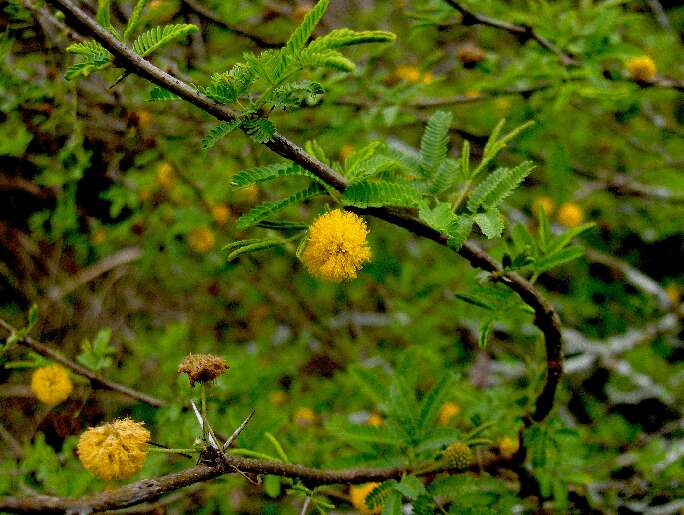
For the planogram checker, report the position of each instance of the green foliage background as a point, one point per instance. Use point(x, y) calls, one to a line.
point(80, 182)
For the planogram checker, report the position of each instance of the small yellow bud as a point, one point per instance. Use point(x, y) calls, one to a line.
point(165, 177)
point(202, 368)
point(202, 240)
point(358, 494)
point(428, 78)
point(375, 420)
point(346, 151)
point(545, 203)
point(673, 293)
point(114, 451)
point(336, 248)
point(447, 412)
point(220, 213)
point(458, 455)
point(304, 417)
point(51, 384)
point(508, 446)
point(570, 215)
point(472, 93)
point(641, 68)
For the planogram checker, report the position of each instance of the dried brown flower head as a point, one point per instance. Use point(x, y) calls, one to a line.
point(202, 368)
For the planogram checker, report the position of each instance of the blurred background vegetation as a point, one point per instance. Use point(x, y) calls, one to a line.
point(112, 219)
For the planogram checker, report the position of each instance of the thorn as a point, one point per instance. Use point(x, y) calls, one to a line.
point(237, 432)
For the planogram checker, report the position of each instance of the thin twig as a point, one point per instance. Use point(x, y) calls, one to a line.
point(96, 380)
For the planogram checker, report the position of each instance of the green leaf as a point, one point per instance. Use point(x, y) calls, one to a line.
point(87, 48)
point(433, 144)
point(495, 145)
point(272, 486)
point(340, 38)
point(261, 130)
point(295, 44)
point(404, 407)
point(499, 185)
point(218, 132)
point(379, 494)
point(252, 246)
point(155, 38)
point(134, 18)
point(392, 504)
point(279, 448)
point(558, 258)
point(363, 433)
point(411, 487)
point(484, 333)
point(368, 380)
point(565, 238)
point(381, 193)
point(263, 211)
point(282, 225)
point(458, 231)
point(447, 174)
point(85, 68)
point(491, 223)
point(432, 402)
point(161, 94)
point(324, 59)
point(439, 218)
point(103, 13)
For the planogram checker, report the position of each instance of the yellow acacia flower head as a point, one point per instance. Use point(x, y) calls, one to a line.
point(508, 446)
point(336, 247)
point(51, 384)
point(448, 411)
point(202, 240)
point(545, 203)
point(358, 494)
point(165, 176)
point(375, 420)
point(408, 73)
point(304, 417)
point(220, 213)
point(673, 293)
point(641, 68)
point(114, 451)
point(458, 455)
point(570, 215)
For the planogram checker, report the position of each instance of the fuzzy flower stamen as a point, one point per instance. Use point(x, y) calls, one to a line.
point(51, 384)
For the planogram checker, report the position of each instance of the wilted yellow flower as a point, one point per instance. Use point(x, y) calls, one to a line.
point(358, 494)
point(545, 203)
point(165, 177)
point(570, 215)
point(641, 68)
point(346, 151)
point(458, 455)
point(277, 397)
point(114, 451)
point(202, 240)
point(375, 420)
point(508, 446)
point(220, 213)
point(304, 417)
point(448, 411)
point(202, 368)
point(51, 384)
point(336, 247)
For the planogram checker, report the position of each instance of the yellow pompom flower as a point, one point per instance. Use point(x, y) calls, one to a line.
point(358, 496)
point(408, 73)
point(508, 446)
point(277, 397)
point(570, 215)
point(202, 240)
point(346, 151)
point(641, 68)
point(165, 177)
point(448, 411)
point(114, 451)
point(304, 417)
point(545, 203)
point(336, 247)
point(51, 384)
point(375, 420)
point(220, 213)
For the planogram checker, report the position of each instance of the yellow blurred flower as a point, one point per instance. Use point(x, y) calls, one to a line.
point(375, 420)
point(508, 446)
point(98, 236)
point(220, 213)
point(336, 247)
point(641, 68)
point(448, 411)
point(277, 397)
point(304, 417)
point(358, 494)
point(202, 240)
point(570, 215)
point(114, 451)
point(144, 118)
point(674, 293)
point(51, 384)
point(165, 176)
point(428, 78)
point(545, 203)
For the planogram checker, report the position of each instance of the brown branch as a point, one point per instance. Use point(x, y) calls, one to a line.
point(147, 490)
point(212, 17)
point(96, 380)
point(546, 318)
point(522, 32)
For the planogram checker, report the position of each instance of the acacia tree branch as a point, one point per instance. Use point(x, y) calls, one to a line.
point(546, 318)
point(526, 32)
point(96, 380)
point(147, 490)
